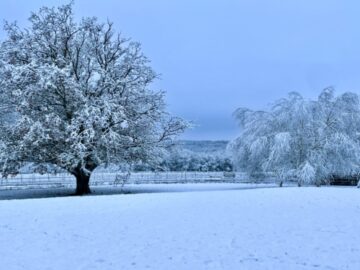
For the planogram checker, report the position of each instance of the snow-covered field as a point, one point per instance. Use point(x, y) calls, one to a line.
point(228, 228)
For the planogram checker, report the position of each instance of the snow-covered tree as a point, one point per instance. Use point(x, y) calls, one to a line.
point(309, 141)
point(79, 96)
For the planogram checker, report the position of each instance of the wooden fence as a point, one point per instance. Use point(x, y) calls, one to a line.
point(33, 180)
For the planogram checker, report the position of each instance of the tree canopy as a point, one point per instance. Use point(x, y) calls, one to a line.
point(78, 95)
point(308, 141)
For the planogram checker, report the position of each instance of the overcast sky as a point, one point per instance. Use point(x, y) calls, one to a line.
point(216, 56)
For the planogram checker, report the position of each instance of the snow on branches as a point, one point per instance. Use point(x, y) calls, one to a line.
point(309, 141)
point(79, 94)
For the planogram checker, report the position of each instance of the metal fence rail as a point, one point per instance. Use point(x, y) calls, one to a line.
point(34, 180)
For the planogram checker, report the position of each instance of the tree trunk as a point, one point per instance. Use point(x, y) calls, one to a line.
point(82, 175)
point(82, 183)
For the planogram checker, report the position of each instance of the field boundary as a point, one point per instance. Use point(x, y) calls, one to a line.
point(34, 180)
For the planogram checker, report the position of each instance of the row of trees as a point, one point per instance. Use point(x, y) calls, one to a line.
point(190, 161)
point(177, 159)
point(77, 95)
point(308, 141)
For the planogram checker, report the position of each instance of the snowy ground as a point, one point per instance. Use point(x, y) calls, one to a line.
point(230, 228)
point(31, 193)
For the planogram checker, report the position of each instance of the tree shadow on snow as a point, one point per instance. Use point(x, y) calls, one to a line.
point(18, 194)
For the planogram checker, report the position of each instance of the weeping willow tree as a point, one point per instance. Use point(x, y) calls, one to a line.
point(308, 141)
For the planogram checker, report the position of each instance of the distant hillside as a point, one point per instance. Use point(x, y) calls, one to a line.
point(204, 146)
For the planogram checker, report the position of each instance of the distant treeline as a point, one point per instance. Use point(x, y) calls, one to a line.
point(203, 156)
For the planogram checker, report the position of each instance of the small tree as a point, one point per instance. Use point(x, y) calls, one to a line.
point(309, 141)
point(79, 96)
